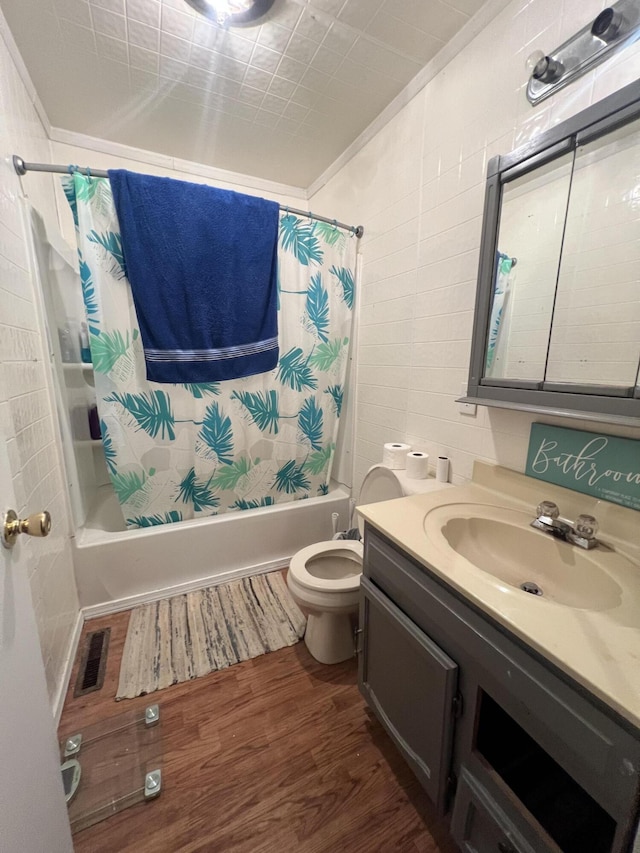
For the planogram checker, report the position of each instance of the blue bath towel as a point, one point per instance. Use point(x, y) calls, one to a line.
point(202, 265)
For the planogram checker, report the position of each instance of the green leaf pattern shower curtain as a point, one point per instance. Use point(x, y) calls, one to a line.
point(186, 451)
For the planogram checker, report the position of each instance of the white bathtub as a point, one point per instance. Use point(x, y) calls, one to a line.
point(118, 568)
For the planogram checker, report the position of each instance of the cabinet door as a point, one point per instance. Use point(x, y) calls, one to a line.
point(478, 825)
point(410, 684)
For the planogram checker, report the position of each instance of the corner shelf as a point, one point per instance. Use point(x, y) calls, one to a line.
point(87, 442)
point(75, 365)
point(78, 371)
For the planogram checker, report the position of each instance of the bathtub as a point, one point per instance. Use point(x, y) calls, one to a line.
point(118, 568)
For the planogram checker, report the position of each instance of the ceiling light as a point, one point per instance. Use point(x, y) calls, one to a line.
point(232, 13)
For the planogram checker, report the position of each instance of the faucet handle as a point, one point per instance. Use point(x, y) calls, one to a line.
point(586, 526)
point(548, 509)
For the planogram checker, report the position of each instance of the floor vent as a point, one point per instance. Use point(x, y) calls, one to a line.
point(93, 663)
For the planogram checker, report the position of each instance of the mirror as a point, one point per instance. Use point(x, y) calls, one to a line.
point(557, 321)
point(529, 243)
point(595, 337)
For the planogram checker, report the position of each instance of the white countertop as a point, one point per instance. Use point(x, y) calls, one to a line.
point(599, 649)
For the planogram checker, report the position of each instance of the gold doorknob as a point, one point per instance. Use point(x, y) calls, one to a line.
point(38, 524)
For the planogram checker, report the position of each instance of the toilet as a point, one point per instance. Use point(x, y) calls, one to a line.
point(324, 578)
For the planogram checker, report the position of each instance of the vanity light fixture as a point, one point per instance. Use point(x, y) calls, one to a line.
point(548, 70)
point(232, 13)
point(614, 28)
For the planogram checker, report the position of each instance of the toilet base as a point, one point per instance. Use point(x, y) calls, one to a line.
point(329, 637)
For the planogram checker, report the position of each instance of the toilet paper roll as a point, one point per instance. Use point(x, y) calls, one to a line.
point(442, 469)
point(394, 455)
point(417, 465)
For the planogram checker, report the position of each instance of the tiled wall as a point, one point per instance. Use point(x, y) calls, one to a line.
point(25, 408)
point(418, 187)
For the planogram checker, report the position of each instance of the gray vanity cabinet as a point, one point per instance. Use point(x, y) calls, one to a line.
point(528, 761)
point(410, 683)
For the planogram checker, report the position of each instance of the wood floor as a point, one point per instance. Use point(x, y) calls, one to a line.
point(275, 755)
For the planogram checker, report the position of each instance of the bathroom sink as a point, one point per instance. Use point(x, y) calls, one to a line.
point(501, 543)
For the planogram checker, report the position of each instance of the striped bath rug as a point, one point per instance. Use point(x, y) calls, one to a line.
point(191, 635)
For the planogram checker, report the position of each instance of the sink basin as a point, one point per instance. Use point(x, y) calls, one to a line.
point(501, 544)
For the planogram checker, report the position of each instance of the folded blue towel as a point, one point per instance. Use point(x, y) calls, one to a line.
point(202, 265)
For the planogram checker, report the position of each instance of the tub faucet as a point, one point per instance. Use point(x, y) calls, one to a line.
point(581, 532)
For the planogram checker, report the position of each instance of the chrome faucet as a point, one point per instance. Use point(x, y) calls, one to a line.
point(581, 532)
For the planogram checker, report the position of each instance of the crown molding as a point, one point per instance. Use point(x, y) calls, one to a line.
point(140, 155)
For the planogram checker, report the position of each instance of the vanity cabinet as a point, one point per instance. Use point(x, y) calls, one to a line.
point(525, 759)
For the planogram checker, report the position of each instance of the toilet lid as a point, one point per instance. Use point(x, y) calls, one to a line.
point(380, 484)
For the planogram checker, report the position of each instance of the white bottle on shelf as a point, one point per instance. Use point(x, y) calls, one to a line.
point(66, 348)
point(70, 341)
point(85, 349)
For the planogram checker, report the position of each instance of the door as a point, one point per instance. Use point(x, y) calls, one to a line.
point(410, 684)
point(33, 814)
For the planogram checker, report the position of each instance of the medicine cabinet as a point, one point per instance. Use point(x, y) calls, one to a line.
point(557, 315)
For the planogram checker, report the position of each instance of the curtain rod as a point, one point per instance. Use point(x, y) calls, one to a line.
point(22, 168)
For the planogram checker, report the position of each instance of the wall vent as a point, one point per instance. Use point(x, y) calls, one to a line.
point(93, 663)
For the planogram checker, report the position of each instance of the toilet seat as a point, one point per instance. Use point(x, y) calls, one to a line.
point(302, 560)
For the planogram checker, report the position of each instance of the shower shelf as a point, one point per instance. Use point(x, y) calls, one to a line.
point(73, 370)
point(77, 365)
point(86, 442)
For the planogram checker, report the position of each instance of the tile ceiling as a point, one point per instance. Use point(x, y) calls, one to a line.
point(280, 100)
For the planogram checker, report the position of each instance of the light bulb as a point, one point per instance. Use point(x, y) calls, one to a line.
point(221, 11)
point(224, 9)
point(533, 59)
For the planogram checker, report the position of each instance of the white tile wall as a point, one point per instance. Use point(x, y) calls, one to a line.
point(25, 408)
point(417, 187)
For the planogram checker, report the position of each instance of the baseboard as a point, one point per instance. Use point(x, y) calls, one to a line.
point(72, 648)
point(119, 604)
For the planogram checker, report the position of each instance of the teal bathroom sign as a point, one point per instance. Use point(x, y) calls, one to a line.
point(604, 466)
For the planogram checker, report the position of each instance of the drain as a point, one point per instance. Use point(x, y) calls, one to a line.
point(93, 663)
point(533, 588)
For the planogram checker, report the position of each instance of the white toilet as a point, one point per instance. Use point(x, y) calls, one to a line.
point(324, 578)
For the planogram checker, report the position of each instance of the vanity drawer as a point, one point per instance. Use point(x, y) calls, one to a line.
point(590, 745)
point(478, 825)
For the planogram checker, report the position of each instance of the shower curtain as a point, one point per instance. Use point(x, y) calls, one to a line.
point(497, 331)
point(186, 451)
